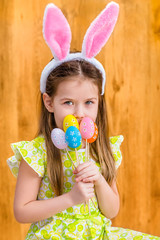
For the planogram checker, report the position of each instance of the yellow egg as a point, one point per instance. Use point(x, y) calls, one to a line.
point(69, 121)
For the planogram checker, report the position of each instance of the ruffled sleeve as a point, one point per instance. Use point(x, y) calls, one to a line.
point(33, 152)
point(115, 143)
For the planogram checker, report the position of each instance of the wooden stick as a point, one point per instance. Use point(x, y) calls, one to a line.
point(86, 150)
point(93, 203)
point(77, 156)
point(86, 202)
point(70, 158)
point(88, 160)
point(75, 168)
point(89, 207)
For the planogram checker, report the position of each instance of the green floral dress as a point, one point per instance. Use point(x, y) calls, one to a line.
point(75, 222)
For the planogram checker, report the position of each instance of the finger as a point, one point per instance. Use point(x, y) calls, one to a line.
point(82, 166)
point(85, 175)
point(86, 170)
point(86, 185)
point(89, 179)
point(90, 185)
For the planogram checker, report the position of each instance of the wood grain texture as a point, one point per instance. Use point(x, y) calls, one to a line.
point(131, 59)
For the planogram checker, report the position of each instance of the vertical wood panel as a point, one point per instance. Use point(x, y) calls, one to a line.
point(131, 59)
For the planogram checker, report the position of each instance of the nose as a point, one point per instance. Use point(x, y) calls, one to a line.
point(79, 112)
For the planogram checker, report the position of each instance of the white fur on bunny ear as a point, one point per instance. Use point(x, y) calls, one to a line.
point(100, 30)
point(56, 31)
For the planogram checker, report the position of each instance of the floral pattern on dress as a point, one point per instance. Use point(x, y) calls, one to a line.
point(75, 222)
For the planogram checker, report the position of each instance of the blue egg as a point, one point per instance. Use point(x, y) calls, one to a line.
point(73, 137)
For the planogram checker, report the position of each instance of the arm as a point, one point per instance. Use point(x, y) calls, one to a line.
point(108, 197)
point(28, 209)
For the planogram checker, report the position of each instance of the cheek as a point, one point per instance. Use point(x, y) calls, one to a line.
point(59, 116)
point(95, 113)
point(95, 117)
point(92, 114)
point(59, 119)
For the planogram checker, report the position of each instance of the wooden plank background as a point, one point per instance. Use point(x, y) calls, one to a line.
point(132, 61)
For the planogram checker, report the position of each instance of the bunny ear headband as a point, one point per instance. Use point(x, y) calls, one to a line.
point(57, 34)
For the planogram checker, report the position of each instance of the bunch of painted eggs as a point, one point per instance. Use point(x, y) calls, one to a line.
point(74, 133)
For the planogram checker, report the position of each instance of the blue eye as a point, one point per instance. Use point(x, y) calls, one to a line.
point(89, 102)
point(68, 103)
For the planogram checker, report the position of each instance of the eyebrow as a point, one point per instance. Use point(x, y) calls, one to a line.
point(69, 99)
point(93, 98)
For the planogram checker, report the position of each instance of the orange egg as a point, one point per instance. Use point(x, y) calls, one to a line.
point(95, 135)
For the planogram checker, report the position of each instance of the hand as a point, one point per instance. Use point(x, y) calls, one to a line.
point(88, 172)
point(81, 192)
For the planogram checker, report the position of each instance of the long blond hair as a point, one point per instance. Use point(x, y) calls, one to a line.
point(100, 150)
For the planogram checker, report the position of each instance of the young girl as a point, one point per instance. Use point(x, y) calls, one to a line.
point(50, 193)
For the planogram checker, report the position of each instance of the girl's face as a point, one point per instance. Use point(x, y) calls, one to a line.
point(76, 96)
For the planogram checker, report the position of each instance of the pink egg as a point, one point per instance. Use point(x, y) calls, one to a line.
point(87, 128)
point(58, 138)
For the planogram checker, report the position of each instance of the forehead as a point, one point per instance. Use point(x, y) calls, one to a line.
point(76, 86)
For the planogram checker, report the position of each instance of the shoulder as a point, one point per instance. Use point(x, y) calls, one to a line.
point(115, 143)
point(33, 152)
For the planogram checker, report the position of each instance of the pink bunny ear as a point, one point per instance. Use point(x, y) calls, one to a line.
point(100, 30)
point(56, 31)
